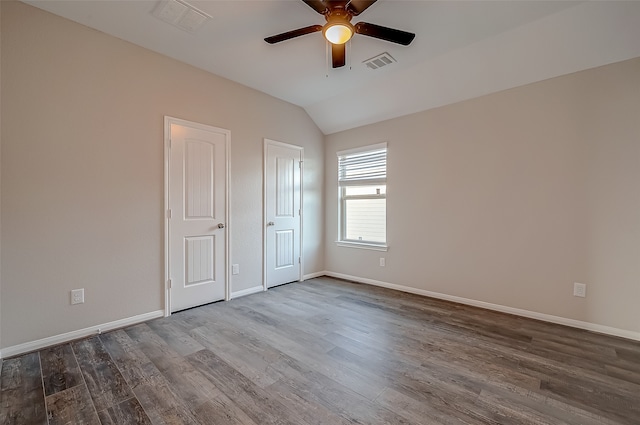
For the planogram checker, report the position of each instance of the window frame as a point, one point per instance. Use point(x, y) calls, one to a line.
point(355, 182)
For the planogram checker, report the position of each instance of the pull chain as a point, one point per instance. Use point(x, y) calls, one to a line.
point(326, 55)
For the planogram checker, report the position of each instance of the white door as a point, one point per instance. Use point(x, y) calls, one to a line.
point(197, 192)
point(283, 167)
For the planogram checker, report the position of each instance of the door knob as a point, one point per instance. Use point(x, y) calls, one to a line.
point(271, 223)
point(220, 225)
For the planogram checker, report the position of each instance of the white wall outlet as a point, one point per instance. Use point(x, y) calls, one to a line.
point(77, 296)
point(235, 269)
point(383, 262)
point(579, 289)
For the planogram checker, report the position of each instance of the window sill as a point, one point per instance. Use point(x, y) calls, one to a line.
point(361, 245)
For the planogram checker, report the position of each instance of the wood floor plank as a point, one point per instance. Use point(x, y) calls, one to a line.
point(154, 393)
point(628, 351)
point(179, 341)
point(433, 412)
point(153, 346)
point(222, 411)
point(131, 361)
point(337, 317)
point(564, 343)
point(283, 328)
point(543, 368)
point(21, 392)
point(261, 406)
point(623, 374)
point(539, 408)
point(162, 405)
point(371, 351)
point(129, 412)
point(580, 336)
point(60, 369)
point(612, 404)
point(311, 412)
point(251, 364)
point(72, 406)
point(102, 377)
point(192, 387)
point(317, 388)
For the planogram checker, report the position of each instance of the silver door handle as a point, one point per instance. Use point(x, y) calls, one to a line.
point(220, 225)
point(271, 223)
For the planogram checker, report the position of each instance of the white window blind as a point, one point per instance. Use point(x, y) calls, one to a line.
point(362, 167)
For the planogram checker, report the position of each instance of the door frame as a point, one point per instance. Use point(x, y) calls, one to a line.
point(269, 142)
point(168, 120)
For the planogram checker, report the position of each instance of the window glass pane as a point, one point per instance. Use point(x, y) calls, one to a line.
point(366, 220)
point(365, 190)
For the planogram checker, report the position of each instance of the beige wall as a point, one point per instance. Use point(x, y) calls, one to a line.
point(512, 197)
point(82, 172)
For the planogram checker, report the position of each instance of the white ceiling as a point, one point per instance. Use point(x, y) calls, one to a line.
point(463, 49)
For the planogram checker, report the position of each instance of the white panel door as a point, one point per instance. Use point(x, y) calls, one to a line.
point(283, 164)
point(197, 224)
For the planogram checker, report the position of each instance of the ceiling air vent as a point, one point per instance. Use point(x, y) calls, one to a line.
point(383, 59)
point(180, 14)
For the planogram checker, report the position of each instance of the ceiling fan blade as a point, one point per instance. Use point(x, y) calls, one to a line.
point(356, 7)
point(338, 55)
point(384, 33)
point(317, 5)
point(292, 34)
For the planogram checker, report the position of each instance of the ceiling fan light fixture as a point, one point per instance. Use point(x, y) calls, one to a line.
point(338, 33)
point(338, 30)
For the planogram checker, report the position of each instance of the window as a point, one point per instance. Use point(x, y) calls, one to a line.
point(362, 187)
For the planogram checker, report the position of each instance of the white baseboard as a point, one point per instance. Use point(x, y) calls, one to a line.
point(314, 275)
point(607, 330)
point(80, 333)
point(248, 291)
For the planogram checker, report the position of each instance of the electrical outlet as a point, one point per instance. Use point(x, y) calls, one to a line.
point(579, 289)
point(382, 262)
point(77, 296)
point(235, 269)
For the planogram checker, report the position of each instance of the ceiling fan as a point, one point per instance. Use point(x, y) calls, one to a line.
point(339, 29)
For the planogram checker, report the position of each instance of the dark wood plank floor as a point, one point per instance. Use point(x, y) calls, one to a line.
point(329, 352)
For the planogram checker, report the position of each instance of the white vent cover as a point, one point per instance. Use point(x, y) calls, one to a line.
point(383, 59)
point(180, 14)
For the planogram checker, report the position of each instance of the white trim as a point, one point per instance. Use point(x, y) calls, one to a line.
point(167, 157)
point(362, 245)
point(314, 275)
point(227, 212)
point(607, 330)
point(247, 291)
point(168, 120)
point(301, 278)
point(264, 213)
point(80, 333)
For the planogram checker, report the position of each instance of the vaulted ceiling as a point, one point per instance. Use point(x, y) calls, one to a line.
point(463, 49)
